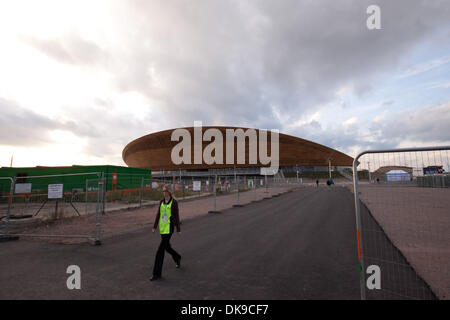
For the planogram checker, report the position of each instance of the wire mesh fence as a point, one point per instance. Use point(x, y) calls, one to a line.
point(90, 206)
point(402, 200)
point(6, 191)
point(37, 202)
point(241, 190)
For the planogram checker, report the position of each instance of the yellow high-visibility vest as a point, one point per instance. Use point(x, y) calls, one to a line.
point(165, 211)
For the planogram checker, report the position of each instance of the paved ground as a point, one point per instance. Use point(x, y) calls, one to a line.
point(300, 245)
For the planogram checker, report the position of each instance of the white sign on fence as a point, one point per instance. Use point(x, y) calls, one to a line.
point(197, 186)
point(23, 188)
point(55, 191)
point(154, 185)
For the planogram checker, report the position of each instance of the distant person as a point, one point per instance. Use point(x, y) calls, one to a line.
point(167, 218)
point(378, 180)
point(317, 183)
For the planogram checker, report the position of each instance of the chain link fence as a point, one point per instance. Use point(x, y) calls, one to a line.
point(402, 201)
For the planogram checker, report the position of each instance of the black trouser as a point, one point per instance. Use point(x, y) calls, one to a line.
point(164, 246)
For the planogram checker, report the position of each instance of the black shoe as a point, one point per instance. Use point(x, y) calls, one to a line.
point(177, 265)
point(155, 278)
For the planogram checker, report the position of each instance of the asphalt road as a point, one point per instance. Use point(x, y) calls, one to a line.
point(300, 245)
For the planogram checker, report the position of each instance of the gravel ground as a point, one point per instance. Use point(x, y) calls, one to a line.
point(417, 221)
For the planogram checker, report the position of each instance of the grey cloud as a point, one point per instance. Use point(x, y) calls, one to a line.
point(71, 49)
point(343, 139)
point(105, 133)
point(21, 127)
point(231, 61)
point(425, 124)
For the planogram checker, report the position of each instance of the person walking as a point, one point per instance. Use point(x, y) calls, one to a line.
point(167, 219)
point(317, 183)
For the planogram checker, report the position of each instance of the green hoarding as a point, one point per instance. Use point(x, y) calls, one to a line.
point(116, 177)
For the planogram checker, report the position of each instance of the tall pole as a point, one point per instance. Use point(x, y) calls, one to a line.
point(215, 192)
point(86, 197)
point(329, 167)
point(265, 182)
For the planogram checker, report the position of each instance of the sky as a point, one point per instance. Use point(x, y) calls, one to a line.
point(79, 80)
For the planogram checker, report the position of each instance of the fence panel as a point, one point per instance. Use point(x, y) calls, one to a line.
point(6, 191)
point(57, 206)
point(402, 201)
point(237, 191)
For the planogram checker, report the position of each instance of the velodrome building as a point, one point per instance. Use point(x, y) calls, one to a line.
point(154, 151)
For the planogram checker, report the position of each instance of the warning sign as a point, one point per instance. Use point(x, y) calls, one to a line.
point(22, 188)
point(55, 191)
point(197, 186)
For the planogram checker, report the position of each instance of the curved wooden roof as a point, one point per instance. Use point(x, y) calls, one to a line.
point(153, 151)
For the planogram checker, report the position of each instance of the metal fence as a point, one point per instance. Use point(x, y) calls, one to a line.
point(36, 202)
point(29, 208)
point(224, 191)
point(402, 202)
point(241, 190)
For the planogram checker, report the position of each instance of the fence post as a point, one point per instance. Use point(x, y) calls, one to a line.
point(10, 198)
point(265, 182)
point(141, 191)
point(97, 209)
point(238, 204)
point(215, 197)
point(56, 210)
point(358, 228)
point(86, 203)
point(104, 182)
point(215, 192)
point(237, 185)
point(100, 207)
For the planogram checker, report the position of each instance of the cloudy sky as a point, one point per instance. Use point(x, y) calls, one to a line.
point(81, 79)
